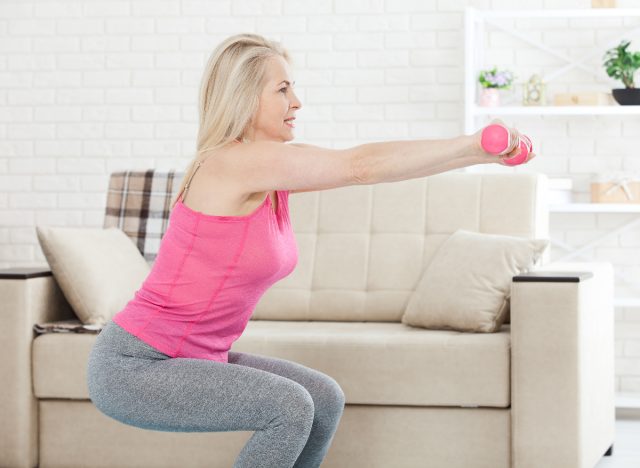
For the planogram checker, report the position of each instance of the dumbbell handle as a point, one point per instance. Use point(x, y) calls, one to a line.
point(496, 139)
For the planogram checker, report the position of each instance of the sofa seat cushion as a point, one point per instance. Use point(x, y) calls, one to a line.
point(389, 363)
point(385, 363)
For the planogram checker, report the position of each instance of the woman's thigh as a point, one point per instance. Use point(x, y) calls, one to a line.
point(325, 391)
point(135, 384)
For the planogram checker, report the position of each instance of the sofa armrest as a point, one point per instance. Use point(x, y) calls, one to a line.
point(562, 378)
point(28, 296)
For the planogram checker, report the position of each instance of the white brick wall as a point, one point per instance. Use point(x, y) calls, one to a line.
point(89, 87)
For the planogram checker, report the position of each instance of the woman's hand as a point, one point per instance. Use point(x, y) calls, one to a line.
point(510, 152)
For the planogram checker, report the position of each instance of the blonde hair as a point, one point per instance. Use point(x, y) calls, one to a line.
point(230, 92)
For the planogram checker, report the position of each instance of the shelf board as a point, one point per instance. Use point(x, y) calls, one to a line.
point(626, 301)
point(560, 13)
point(627, 400)
point(595, 208)
point(556, 110)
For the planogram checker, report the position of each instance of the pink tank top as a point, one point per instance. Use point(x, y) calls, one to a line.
point(207, 278)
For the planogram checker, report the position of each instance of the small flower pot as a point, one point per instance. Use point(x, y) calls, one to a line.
point(490, 97)
point(627, 96)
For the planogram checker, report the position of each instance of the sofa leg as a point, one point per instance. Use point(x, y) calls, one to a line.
point(609, 452)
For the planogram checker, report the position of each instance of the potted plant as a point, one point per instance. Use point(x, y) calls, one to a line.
point(492, 81)
point(622, 65)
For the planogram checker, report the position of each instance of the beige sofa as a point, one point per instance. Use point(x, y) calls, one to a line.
point(537, 394)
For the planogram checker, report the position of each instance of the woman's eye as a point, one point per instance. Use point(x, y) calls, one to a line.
point(283, 89)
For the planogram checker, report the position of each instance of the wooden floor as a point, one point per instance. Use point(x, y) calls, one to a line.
point(626, 448)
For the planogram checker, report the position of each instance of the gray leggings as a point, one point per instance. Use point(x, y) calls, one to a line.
point(294, 410)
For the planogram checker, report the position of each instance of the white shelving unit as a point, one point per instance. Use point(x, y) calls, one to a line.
point(550, 110)
point(476, 21)
point(595, 208)
point(582, 251)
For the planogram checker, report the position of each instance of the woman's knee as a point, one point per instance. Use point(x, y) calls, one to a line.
point(328, 397)
point(329, 394)
point(297, 408)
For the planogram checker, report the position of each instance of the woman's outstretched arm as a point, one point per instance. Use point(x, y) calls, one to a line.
point(269, 165)
point(390, 161)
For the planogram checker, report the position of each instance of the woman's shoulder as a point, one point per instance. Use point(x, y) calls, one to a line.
point(215, 185)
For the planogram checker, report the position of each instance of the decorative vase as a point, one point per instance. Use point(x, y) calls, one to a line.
point(490, 97)
point(627, 96)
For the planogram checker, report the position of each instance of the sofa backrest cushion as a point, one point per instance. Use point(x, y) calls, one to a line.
point(362, 249)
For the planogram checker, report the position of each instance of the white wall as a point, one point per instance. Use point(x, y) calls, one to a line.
point(89, 87)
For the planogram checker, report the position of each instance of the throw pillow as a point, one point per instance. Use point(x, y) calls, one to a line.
point(98, 270)
point(467, 284)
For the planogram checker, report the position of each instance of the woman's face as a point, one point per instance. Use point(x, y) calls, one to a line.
point(277, 103)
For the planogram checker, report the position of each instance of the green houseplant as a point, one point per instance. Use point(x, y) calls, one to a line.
point(622, 65)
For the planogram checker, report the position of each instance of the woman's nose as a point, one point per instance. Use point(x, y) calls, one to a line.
point(296, 102)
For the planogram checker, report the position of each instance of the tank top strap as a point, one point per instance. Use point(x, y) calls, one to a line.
point(186, 186)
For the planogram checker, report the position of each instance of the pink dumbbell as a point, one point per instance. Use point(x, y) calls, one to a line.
point(496, 139)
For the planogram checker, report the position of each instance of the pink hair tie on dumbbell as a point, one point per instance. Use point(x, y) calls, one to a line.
point(496, 139)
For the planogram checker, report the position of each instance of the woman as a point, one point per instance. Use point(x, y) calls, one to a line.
point(163, 362)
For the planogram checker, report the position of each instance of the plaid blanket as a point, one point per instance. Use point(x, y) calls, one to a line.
point(66, 326)
point(138, 202)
